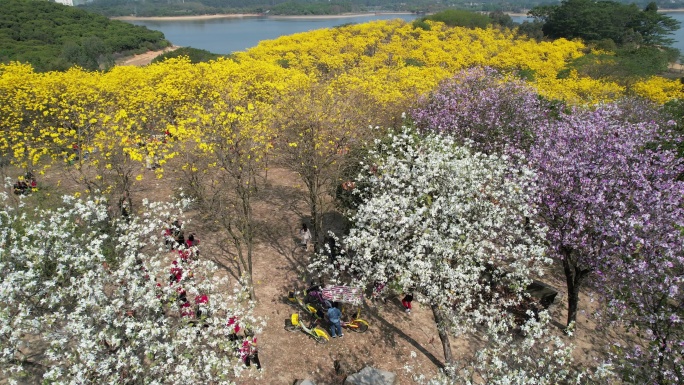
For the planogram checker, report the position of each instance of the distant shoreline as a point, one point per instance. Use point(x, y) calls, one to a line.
point(337, 16)
point(188, 18)
point(295, 17)
point(250, 15)
point(674, 10)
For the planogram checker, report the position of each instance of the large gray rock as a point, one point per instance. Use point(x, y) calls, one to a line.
point(371, 376)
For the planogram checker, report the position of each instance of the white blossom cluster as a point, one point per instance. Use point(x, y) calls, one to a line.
point(537, 357)
point(454, 226)
point(86, 299)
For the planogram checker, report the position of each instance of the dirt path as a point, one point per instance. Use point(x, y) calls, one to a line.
point(144, 58)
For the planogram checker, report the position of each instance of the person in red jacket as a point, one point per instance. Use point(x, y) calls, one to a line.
point(176, 272)
point(201, 306)
point(249, 352)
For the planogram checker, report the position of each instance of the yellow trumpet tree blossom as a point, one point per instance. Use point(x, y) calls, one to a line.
point(318, 130)
point(233, 135)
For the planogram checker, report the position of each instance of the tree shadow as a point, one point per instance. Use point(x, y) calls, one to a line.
point(335, 222)
point(342, 364)
point(285, 198)
point(390, 330)
point(226, 258)
point(283, 203)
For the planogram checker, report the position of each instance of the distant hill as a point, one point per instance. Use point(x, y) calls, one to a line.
point(318, 7)
point(52, 36)
point(271, 7)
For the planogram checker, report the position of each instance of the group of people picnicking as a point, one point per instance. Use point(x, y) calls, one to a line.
point(186, 253)
point(331, 310)
point(325, 309)
point(196, 311)
point(25, 185)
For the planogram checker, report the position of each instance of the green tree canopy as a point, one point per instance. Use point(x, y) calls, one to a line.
point(600, 20)
point(458, 18)
point(52, 36)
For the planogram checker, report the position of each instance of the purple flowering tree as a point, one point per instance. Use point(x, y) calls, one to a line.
point(647, 288)
point(609, 193)
point(482, 106)
point(606, 184)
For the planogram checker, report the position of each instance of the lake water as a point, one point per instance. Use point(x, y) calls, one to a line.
point(678, 36)
point(224, 36)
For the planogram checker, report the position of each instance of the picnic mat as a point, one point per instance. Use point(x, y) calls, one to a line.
point(345, 294)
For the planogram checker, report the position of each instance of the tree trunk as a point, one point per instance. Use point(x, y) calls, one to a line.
point(574, 276)
point(315, 213)
point(573, 300)
point(443, 335)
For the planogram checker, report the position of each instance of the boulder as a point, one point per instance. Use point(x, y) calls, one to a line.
point(544, 293)
point(371, 376)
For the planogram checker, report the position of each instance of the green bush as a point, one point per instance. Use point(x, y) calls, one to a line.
point(458, 18)
point(195, 55)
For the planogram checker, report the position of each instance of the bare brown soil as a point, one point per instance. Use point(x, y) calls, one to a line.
point(144, 58)
point(393, 337)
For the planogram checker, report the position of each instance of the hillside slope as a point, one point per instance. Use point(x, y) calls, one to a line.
point(52, 36)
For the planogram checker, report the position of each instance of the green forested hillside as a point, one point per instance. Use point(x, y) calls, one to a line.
point(52, 36)
point(310, 7)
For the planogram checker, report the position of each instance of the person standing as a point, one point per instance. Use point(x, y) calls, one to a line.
point(305, 236)
point(334, 317)
point(249, 350)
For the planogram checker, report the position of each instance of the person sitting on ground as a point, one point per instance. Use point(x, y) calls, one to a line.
point(408, 298)
point(17, 188)
point(202, 306)
point(191, 241)
point(235, 328)
point(184, 255)
point(177, 232)
point(378, 288)
point(176, 273)
point(167, 235)
point(180, 237)
point(186, 310)
point(21, 187)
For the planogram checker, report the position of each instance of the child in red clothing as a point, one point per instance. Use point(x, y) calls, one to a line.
point(191, 241)
point(407, 302)
point(249, 352)
point(176, 272)
point(201, 302)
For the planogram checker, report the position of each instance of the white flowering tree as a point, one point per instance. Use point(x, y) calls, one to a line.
point(537, 356)
point(454, 226)
point(84, 299)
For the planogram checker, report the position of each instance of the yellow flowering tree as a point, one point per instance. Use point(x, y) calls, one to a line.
point(233, 134)
point(318, 130)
